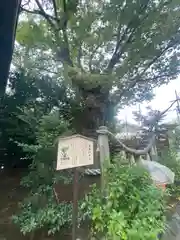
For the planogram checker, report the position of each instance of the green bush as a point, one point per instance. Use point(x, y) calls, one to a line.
point(172, 160)
point(40, 209)
point(51, 217)
point(131, 209)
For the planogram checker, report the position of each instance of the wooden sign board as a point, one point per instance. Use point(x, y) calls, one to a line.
point(75, 151)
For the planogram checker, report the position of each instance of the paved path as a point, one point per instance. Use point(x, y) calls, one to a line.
point(173, 226)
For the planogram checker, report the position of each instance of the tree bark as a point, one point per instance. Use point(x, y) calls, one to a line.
point(97, 111)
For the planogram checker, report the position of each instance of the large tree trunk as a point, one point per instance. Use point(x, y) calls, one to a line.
point(9, 10)
point(92, 95)
point(97, 111)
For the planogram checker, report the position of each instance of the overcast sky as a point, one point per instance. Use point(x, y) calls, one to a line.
point(163, 97)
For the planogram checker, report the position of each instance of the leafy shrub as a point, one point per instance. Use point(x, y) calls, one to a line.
point(52, 217)
point(41, 209)
point(132, 209)
point(172, 160)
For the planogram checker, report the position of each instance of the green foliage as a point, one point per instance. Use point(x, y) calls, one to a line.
point(127, 41)
point(27, 99)
point(175, 138)
point(41, 209)
point(53, 217)
point(133, 208)
point(172, 160)
point(95, 48)
point(22, 92)
point(41, 34)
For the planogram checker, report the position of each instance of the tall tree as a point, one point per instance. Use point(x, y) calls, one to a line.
point(21, 92)
point(107, 53)
point(28, 98)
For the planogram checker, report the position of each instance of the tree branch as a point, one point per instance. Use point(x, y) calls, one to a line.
point(91, 57)
point(67, 57)
point(48, 17)
point(55, 195)
point(117, 96)
point(55, 8)
point(38, 12)
point(79, 57)
point(22, 9)
point(151, 141)
point(117, 53)
point(138, 78)
point(44, 14)
point(25, 3)
point(134, 151)
point(64, 53)
point(157, 118)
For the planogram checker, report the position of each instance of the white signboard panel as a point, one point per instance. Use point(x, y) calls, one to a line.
point(75, 151)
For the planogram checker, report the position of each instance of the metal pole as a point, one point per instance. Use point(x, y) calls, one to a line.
point(75, 204)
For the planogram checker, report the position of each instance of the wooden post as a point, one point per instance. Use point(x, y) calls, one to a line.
point(103, 146)
point(73, 152)
point(75, 204)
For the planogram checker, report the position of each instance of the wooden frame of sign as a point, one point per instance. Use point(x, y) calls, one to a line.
point(73, 152)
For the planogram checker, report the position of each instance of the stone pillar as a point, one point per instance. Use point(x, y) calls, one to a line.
point(153, 153)
point(103, 147)
point(103, 144)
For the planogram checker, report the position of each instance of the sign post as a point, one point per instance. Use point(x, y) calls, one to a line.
point(75, 203)
point(73, 152)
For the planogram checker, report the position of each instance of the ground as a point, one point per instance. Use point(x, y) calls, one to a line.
point(12, 193)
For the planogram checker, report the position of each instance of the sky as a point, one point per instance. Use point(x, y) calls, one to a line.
point(163, 97)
